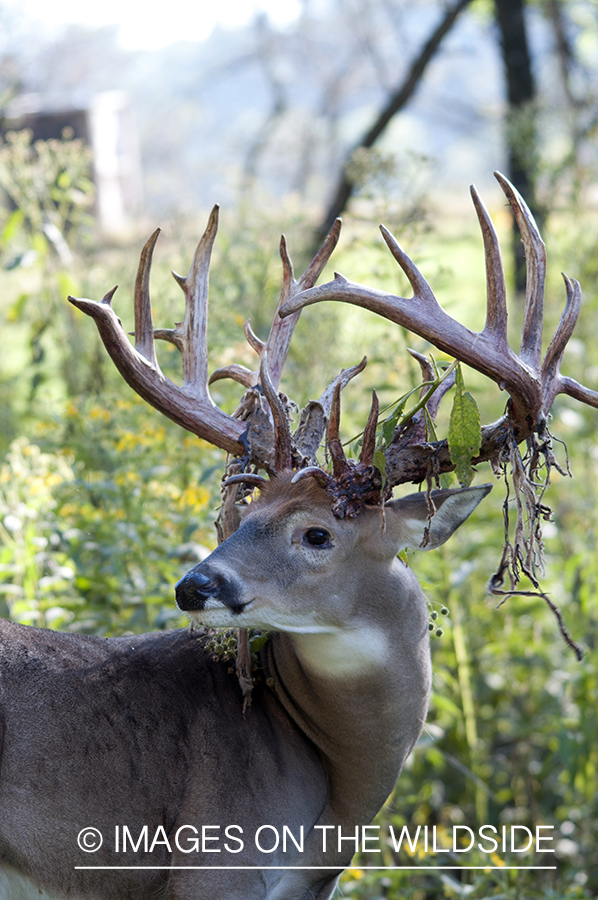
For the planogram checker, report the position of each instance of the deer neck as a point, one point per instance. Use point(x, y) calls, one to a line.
point(360, 694)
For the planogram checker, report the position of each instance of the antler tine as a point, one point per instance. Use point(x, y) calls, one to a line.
point(288, 274)
point(144, 327)
point(314, 418)
point(496, 314)
point(340, 465)
point(554, 354)
point(368, 447)
point(421, 288)
point(535, 258)
point(283, 440)
point(169, 335)
point(252, 339)
point(237, 372)
point(281, 332)
point(193, 331)
point(578, 391)
point(555, 383)
point(245, 478)
point(343, 378)
point(424, 364)
point(316, 266)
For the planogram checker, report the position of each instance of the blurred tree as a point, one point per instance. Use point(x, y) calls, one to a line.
point(44, 218)
point(520, 129)
point(397, 100)
point(266, 41)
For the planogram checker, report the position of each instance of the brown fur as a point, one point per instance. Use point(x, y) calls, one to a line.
point(281, 498)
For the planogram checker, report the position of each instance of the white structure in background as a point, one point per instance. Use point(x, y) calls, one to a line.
point(116, 159)
point(107, 124)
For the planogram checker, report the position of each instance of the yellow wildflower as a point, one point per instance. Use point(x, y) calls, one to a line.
point(195, 496)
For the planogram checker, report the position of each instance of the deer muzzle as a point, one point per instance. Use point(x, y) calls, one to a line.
point(201, 589)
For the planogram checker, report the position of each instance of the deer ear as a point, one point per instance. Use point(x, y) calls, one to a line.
point(410, 523)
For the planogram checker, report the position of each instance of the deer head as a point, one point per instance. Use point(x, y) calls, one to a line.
point(296, 567)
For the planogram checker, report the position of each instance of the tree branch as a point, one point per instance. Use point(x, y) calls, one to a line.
point(397, 101)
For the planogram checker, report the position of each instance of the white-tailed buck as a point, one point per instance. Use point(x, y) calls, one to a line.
point(145, 738)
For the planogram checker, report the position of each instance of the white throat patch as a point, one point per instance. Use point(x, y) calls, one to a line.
point(345, 652)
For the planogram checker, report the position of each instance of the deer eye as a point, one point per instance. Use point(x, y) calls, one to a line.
point(317, 537)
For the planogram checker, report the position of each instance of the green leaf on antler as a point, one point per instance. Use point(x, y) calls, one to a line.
point(390, 423)
point(465, 433)
point(380, 463)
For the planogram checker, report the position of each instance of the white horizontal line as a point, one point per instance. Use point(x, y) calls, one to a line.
point(348, 868)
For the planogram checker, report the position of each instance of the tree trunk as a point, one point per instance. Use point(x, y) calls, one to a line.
point(520, 125)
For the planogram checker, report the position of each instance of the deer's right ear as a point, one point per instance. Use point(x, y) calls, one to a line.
point(408, 518)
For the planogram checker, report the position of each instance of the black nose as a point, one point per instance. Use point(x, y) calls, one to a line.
point(193, 590)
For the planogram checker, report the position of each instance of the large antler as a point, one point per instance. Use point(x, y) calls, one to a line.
point(531, 383)
point(190, 405)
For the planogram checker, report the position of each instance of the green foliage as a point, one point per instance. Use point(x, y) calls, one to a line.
point(464, 432)
point(44, 218)
point(397, 418)
point(96, 534)
point(35, 572)
point(49, 185)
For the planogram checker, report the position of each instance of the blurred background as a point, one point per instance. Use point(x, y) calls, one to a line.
point(290, 113)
